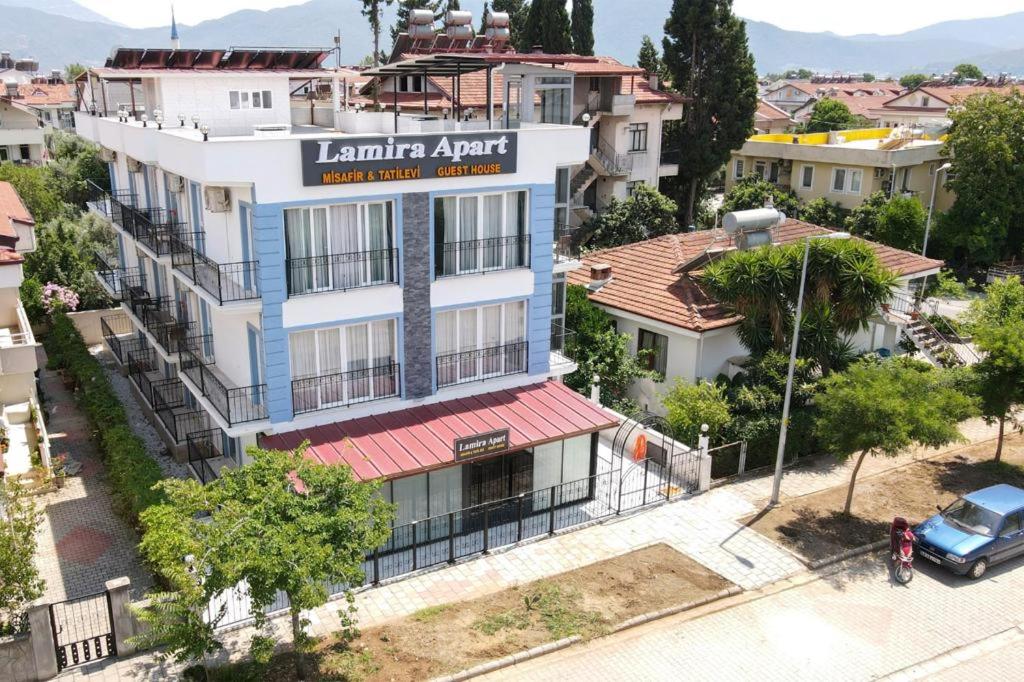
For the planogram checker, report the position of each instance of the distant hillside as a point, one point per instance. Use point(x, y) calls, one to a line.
point(64, 8)
point(994, 44)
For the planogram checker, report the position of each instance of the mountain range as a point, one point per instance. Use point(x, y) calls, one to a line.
point(58, 32)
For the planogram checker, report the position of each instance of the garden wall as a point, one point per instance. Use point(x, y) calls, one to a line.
point(88, 324)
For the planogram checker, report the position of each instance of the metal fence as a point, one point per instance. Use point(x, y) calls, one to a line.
point(728, 460)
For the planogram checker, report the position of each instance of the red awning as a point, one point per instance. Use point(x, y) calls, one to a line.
point(410, 441)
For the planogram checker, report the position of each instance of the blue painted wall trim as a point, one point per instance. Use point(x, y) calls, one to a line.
point(542, 231)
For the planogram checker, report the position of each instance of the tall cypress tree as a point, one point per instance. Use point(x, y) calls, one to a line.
point(709, 62)
point(483, 18)
point(442, 7)
point(583, 27)
point(547, 25)
point(517, 11)
point(404, 8)
point(648, 58)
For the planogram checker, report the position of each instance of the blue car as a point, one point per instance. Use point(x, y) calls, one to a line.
point(975, 532)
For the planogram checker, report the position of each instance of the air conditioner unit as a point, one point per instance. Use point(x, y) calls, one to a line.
point(134, 166)
point(218, 199)
point(175, 183)
point(107, 155)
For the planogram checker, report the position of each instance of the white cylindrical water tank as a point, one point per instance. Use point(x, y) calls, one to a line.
point(497, 20)
point(458, 18)
point(421, 17)
point(752, 220)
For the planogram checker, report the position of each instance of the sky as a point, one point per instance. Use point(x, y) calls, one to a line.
point(845, 18)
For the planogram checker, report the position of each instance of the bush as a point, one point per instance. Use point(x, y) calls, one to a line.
point(131, 472)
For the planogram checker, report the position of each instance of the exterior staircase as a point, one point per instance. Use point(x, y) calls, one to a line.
point(580, 182)
point(942, 347)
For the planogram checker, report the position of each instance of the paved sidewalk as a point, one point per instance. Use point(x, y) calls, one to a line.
point(853, 624)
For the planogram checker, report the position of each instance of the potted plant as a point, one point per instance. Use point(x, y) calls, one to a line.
point(59, 468)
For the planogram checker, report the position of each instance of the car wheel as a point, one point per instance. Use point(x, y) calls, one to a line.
point(978, 569)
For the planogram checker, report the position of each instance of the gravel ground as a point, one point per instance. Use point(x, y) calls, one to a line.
point(142, 427)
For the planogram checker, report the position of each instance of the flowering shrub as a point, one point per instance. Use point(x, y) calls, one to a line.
point(58, 298)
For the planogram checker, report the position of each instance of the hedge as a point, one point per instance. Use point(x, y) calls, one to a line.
point(132, 473)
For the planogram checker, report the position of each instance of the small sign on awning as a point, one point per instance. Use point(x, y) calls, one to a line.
point(480, 445)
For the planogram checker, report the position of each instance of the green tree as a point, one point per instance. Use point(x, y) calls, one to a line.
point(281, 523)
point(1000, 375)
point(405, 7)
point(901, 224)
point(708, 60)
point(830, 114)
point(1002, 304)
point(822, 212)
point(600, 351)
point(752, 191)
point(967, 71)
point(21, 583)
point(868, 77)
point(800, 74)
point(646, 214)
point(846, 285)
point(688, 406)
point(648, 58)
point(863, 220)
point(547, 25)
point(986, 147)
point(75, 162)
point(517, 11)
point(373, 10)
point(883, 409)
point(913, 80)
point(64, 256)
point(583, 27)
point(36, 187)
point(442, 7)
point(73, 71)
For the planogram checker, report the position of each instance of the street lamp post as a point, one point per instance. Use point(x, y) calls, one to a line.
point(780, 455)
point(931, 205)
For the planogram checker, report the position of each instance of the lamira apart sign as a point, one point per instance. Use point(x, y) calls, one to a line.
point(407, 157)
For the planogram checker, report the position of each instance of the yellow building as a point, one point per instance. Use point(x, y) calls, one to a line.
point(846, 166)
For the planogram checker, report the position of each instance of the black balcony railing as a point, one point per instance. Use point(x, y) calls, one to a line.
point(114, 277)
point(116, 331)
point(237, 405)
point(160, 318)
point(170, 407)
point(567, 240)
point(142, 364)
point(154, 229)
point(485, 363)
point(205, 447)
point(310, 394)
point(226, 282)
point(482, 255)
point(123, 347)
point(341, 271)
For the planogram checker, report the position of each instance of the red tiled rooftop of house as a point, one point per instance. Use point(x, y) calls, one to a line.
point(12, 210)
point(769, 112)
point(418, 439)
point(644, 281)
point(41, 94)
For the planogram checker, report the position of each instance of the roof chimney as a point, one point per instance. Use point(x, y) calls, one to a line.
point(654, 81)
point(600, 274)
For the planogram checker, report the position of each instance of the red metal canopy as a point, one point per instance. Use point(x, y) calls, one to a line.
point(410, 441)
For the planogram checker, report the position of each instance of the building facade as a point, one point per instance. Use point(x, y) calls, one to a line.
point(388, 287)
point(846, 166)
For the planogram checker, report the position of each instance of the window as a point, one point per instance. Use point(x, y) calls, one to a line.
point(1011, 525)
point(26, 154)
point(806, 177)
point(4, 154)
point(242, 99)
point(637, 137)
point(346, 246)
point(632, 185)
point(773, 173)
point(925, 101)
point(561, 198)
point(847, 180)
point(657, 344)
point(738, 171)
point(761, 169)
point(409, 83)
point(343, 365)
point(905, 187)
point(477, 343)
point(477, 233)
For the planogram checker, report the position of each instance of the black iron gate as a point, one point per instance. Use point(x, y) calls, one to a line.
point(652, 468)
point(82, 630)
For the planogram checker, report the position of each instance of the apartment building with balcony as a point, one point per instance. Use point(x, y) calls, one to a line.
point(22, 137)
point(929, 104)
point(846, 166)
point(388, 287)
point(20, 417)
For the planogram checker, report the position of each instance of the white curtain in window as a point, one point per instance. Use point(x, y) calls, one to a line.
point(379, 241)
point(383, 338)
point(491, 337)
point(451, 235)
point(493, 249)
point(358, 347)
point(515, 332)
point(296, 229)
point(302, 352)
point(345, 240)
point(547, 472)
point(468, 368)
point(445, 496)
point(322, 270)
point(467, 233)
point(446, 342)
point(410, 496)
point(329, 356)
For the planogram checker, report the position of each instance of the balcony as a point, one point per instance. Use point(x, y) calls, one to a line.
point(144, 370)
point(482, 364)
point(235, 404)
point(608, 162)
point(170, 408)
point(154, 229)
point(311, 394)
point(17, 344)
point(117, 281)
point(160, 318)
point(567, 245)
point(482, 255)
point(118, 330)
point(563, 350)
point(341, 272)
point(225, 282)
point(206, 456)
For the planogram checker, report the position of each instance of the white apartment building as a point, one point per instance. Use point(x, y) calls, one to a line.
point(22, 137)
point(388, 286)
point(20, 417)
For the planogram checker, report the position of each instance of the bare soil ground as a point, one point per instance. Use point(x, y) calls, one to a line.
point(451, 637)
point(815, 527)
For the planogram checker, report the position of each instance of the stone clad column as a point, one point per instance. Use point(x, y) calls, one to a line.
point(417, 327)
point(41, 637)
point(122, 623)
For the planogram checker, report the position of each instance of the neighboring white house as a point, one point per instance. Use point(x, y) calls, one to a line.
point(19, 403)
point(693, 336)
point(22, 138)
point(929, 105)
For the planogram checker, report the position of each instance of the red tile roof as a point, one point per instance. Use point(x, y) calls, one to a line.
point(40, 94)
point(12, 211)
point(769, 112)
point(643, 280)
point(9, 257)
point(417, 439)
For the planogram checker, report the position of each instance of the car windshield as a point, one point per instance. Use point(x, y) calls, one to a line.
point(968, 516)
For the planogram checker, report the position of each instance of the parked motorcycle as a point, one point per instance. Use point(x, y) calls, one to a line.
point(901, 548)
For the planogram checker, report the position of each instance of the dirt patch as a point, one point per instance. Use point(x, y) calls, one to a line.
point(445, 639)
point(815, 527)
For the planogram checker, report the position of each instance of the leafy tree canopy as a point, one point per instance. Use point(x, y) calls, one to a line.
point(968, 71)
point(830, 114)
point(689, 406)
point(583, 27)
point(913, 80)
point(1000, 374)
point(646, 214)
point(752, 191)
point(883, 408)
point(863, 220)
point(1002, 304)
point(547, 24)
point(822, 212)
point(73, 71)
point(901, 224)
point(649, 59)
point(517, 11)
